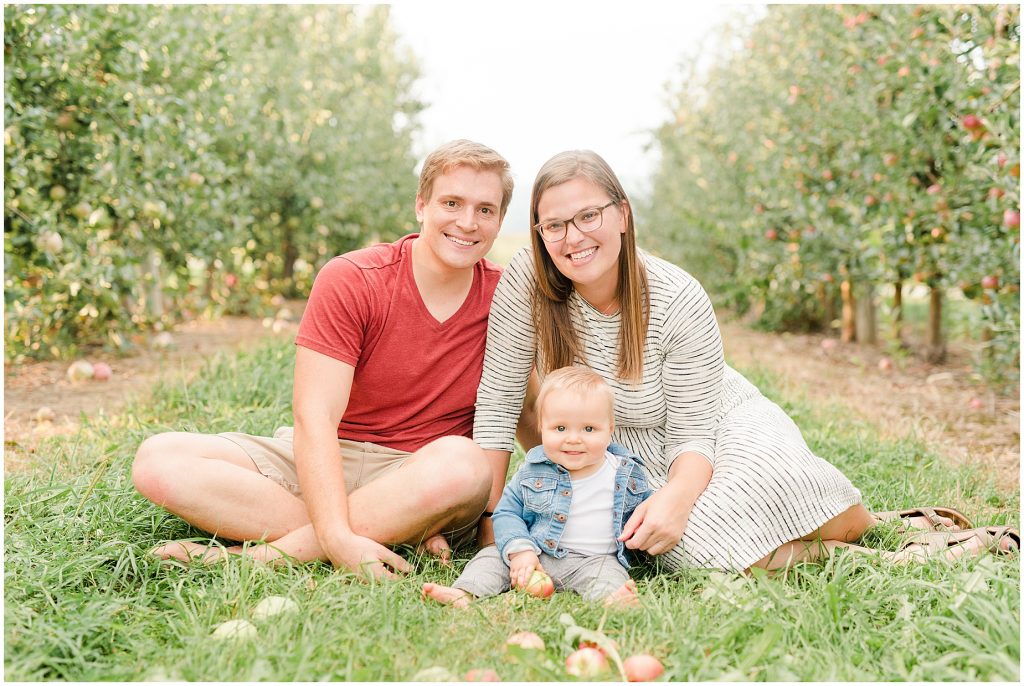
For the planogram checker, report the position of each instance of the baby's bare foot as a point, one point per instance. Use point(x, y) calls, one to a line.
point(624, 596)
point(446, 595)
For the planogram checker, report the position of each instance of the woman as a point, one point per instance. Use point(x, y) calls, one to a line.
point(736, 484)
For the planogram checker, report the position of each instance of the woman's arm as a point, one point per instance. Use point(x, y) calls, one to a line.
point(692, 373)
point(658, 523)
point(508, 360)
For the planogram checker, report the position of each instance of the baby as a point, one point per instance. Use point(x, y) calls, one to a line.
point(563, 510)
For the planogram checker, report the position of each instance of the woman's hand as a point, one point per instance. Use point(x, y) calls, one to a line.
point(658, 523)
point(521, 566)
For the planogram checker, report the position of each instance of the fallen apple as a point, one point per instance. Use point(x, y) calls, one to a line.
point(990, 282)
point(45, 414)
point(273, 605)
point(642, 667)
point(101, 371)
point(976, 403)
point(527, 640)
point(234, 629)
point(482, 675)
point(586, 662)
point(80, 370)
point(163, 340)
point(885, 364)
point(540, 585)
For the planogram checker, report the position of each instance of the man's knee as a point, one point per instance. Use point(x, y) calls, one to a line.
point(463, 471)
point(150, 464)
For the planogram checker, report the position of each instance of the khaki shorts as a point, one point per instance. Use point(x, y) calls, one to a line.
point(362, 463)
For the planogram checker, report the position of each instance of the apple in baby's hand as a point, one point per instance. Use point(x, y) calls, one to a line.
point(586, 662)
point(642, 668)
point(540, 585)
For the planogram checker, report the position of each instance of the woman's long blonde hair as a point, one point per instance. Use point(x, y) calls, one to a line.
point(559, 344)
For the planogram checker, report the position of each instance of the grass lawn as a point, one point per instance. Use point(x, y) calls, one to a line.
point(85, 603)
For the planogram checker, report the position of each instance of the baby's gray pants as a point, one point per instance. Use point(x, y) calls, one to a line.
point(594, 577)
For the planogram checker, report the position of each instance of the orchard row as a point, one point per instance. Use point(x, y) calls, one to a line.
point(845, 151)
point(161, 161)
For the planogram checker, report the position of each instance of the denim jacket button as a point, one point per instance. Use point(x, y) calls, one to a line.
point(560, 517)
point(549, 543)
point(618, 487)
point(632, 484)
point(538, 483)
point(566, 492)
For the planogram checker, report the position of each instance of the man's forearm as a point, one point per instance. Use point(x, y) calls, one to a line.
point(322, 480)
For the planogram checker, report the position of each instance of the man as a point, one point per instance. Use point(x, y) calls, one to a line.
point(389, 354)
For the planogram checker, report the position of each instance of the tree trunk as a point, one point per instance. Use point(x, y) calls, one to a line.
point(936, 345)
point(154, 284)
point(867, 330)
point(897, 311)
point(848, 332)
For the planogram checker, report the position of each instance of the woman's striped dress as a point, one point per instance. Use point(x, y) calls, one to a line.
point(767, 487)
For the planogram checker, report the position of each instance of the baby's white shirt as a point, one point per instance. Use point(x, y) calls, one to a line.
point(588, 529)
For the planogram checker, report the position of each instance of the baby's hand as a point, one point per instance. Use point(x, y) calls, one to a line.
point(521, 566)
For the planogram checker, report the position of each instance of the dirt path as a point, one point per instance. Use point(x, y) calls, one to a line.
point(939, 404)
point(29, 387)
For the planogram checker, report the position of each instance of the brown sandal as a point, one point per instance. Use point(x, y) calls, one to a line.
point(929, 513)
point(934, 542)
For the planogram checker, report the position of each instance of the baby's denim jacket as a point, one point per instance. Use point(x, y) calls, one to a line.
point(535, 502)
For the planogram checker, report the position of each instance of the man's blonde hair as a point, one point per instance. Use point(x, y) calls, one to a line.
point(581, 380)
point(474, 155)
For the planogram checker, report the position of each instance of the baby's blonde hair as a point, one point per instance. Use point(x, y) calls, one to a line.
point(581, 380)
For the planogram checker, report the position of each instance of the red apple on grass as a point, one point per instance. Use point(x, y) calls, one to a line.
point(480, 674)
point(990, 282)
point(642, 667)
point(1011, 219)
point(540, 585)
point(586, 663)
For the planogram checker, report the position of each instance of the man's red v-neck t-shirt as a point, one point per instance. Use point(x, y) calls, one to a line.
point(415, 378)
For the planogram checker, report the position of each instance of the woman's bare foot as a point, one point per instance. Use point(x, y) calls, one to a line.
point(624, 596)
point(190, 551)
point(446, 595)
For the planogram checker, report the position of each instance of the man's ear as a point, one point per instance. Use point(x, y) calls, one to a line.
point(420, 204)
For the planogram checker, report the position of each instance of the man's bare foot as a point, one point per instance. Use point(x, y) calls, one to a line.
point(446, 595)
point(624, 596)
point(190, 551)
point(438, 546)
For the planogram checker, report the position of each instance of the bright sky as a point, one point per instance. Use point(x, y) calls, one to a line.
point(531, 79)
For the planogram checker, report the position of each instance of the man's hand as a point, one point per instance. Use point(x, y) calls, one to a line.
point(365, 557)
point(657, 525)
point(521, 566)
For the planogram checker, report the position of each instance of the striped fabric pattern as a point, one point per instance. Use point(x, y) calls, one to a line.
point(767, 487)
